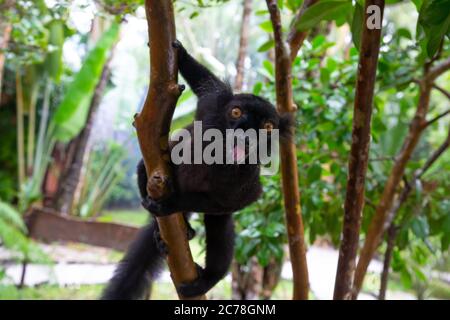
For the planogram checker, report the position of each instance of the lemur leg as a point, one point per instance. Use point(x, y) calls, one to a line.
point(219, 253)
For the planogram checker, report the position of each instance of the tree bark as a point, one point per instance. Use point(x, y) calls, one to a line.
point(247, 280)
point(392, 233)
point(271, 277)
point(296, 37)
point(153, 125)
point(20, 131)
point(359, 156)
point(3, 46)
point(243, 45)
point(288, 156)
point(71, 177)
point(416, 128)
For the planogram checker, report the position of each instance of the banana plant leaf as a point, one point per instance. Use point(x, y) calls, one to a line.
point(71, 114)
point(53, 61)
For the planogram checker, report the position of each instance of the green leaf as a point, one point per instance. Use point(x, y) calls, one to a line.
point(404, 33)
point(419, 274)
point(11, 215)
point(266, 46)
point(420, 227)
point(406, 278)
point(434, 18)
point(314, 173)
point(257, 88)
point(266, 26)
point(71, 114)
point(357, 24)
point(53, 61)
point(263, 257)
point(269, 67)
point(323, 10)
point(324, 76)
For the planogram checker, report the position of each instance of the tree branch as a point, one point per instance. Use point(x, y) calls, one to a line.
point(442, 90)
point(390, 226)
point(243, 44)
point(359, 155)
point(436, 71)
point(378, 222)
point(288, 155)
point(429, 122)
point(392, 234)
point(153, 125)
point(296, 37)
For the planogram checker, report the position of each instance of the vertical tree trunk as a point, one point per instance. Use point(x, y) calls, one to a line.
point(288, 155)
point(243, 45)
point(271, 277)
point(20, 131)
point(71, 176)
point(153, 125)
point(359, 155)
point(247, 280)
point(391, 235)
point(3, 46)
point(416, 128)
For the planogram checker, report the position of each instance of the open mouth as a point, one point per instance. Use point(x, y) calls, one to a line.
point(239, 154)
point(242, 151)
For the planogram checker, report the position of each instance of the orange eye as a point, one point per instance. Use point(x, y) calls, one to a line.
point(268, 126)
point(236, 113)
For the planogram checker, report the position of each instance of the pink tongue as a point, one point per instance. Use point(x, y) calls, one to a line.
point(238, 154)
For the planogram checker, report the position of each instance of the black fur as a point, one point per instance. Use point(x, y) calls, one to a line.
point(216, 190)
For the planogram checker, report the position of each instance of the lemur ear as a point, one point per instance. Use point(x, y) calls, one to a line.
point(286, 125)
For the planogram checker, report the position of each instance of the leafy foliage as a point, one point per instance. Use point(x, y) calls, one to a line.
point(71, 114)
point(13, 236)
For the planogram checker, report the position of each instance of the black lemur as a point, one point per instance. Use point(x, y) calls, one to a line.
point(217, 190)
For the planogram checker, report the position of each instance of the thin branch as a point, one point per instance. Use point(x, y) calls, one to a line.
point(296, 37)
point(243, 45)
point(390, 226)
point(434, 156)
point(359, 155)
point(429, 122)
point(153, 125)
point(392, 234)
point(378, 223)
point(288, 156)
point(442, 90)
point(436, 71)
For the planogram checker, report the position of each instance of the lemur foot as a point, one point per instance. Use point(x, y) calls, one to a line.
point(197, 287)
point(158, 208)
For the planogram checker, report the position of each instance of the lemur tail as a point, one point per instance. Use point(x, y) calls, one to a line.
point(141, 265)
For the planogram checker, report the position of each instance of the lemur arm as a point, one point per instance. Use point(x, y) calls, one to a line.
point(184, 202)
point(199, 78)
